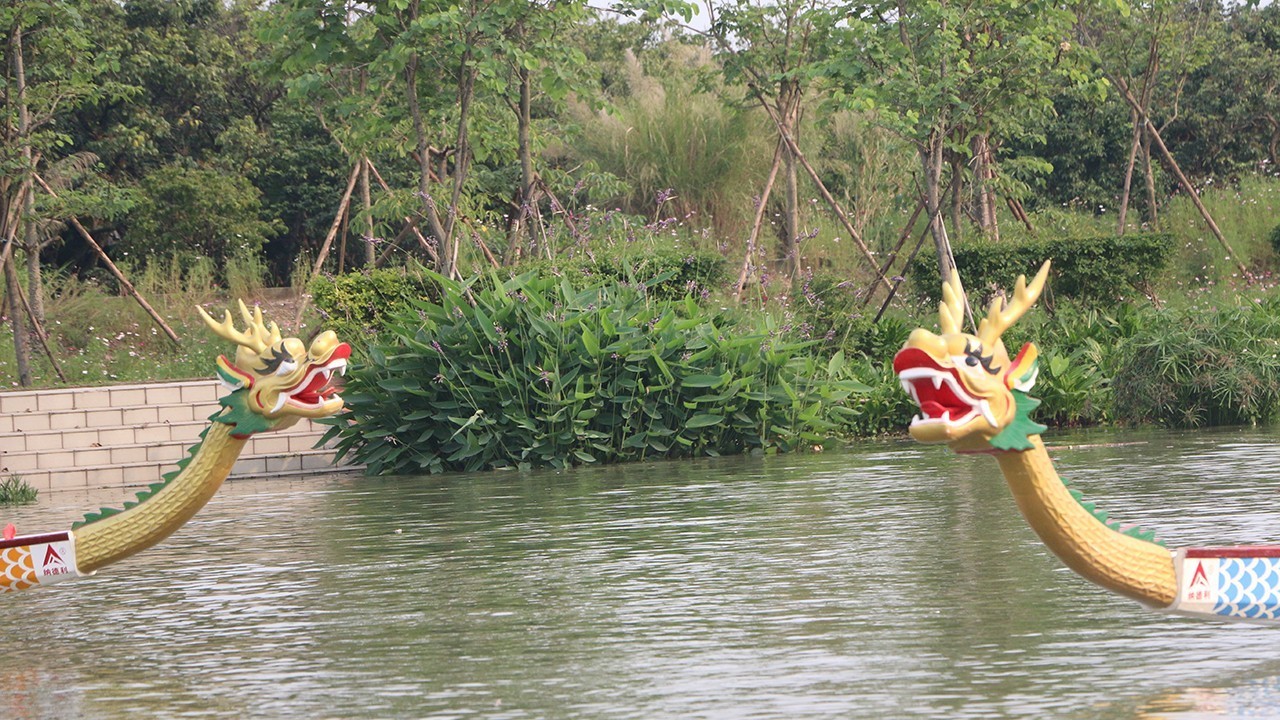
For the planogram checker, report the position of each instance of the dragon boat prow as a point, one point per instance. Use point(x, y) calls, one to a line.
point(273, 381)
point(974, 399)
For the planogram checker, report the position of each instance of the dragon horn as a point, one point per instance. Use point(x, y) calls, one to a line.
point(255, 337)
point(1002, 315)
point(951, 309)
point(268, 335)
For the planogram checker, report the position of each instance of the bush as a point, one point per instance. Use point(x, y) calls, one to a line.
point(1202, 367)
point(884, 407)
point(359, 304)
point(1274, 239)
point(533, 372)
point(16, 491)
point(1090, 270)
point(196, 212)
point(666, 273)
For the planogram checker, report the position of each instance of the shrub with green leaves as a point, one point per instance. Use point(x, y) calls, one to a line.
point(1202, 366)
point(1092, 270)
point(196, 211)
point(16, 491)
point(532, 372)
point(359, 304)
point(666, 272)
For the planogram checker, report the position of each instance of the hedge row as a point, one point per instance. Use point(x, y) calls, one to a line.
point(1089, 270)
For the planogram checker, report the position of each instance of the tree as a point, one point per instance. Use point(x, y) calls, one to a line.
point(955, 80)
point(51, 66)
point(196, 211)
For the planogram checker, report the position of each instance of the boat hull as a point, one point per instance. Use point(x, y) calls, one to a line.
point(1240, 583)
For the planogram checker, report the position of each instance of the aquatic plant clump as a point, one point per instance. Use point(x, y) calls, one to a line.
point(16, 491)
point(534, 372)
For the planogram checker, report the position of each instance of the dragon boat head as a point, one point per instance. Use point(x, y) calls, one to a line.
point(971, 395)
point(276, 381)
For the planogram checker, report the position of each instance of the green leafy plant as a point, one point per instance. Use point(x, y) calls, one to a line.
point(535, 372)
point(16, 491)
point(1098, 270)
point(1202, 366)
point(1072, 388)
point(667, 273)
point(359, 304)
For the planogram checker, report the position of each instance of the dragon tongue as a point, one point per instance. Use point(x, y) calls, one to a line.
point(932, 409)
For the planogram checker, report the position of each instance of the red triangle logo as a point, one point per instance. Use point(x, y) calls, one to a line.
point(1199, 577)
point(51, 556)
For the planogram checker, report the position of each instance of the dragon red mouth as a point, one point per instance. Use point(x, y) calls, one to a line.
point(937, 390)
point(313, 390)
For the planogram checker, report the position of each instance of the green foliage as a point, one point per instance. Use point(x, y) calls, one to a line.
point(196, 211)
point(16, 491)
point(245, 274)
point(665, 273)
point(1090, 270)
point(533, 372)
point(1202, 366)
point(359, 305)
point(884, 408)
point(829, 309)
point(680, 150)
point(1072, 387)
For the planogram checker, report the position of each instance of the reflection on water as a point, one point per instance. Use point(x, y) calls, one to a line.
point(890, 580)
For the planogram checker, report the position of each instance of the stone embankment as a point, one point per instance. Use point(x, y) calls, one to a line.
point(127, 435)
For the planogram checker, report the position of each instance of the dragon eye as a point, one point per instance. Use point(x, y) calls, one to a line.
point(974, 358)
point(286, 367)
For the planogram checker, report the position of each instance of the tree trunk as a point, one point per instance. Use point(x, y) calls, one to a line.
point(790, 217)
point(461, 163)
point(957, 201)
point(1127, 187)
point(367, 198)
point(1153, 207)
point(21, 342)
point(30, 238)
point(789, 99)
point(985, 175)
point(429, 209)
point(931, 162)
point(524, 121)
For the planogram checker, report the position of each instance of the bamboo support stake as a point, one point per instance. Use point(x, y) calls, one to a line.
point(328, 240)
point(124, 281)
point(822, 188)
point(765, 194)
point(40, 334)
point(893, 256)
point(337, 221)
point(426, 246)
point(894, 290)
point(1177, 172)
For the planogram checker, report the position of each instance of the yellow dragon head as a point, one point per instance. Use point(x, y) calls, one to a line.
point(275, 381)
point(971, 396)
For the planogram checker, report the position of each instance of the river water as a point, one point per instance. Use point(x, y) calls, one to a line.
point(884, 580)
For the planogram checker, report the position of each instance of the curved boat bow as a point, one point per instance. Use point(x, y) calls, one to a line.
point(974, 399)
point(273, 382)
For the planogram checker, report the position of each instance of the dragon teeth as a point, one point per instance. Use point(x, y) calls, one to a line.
point(985, 408)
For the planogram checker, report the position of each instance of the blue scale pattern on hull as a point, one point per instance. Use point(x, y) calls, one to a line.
point(1249, 588)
